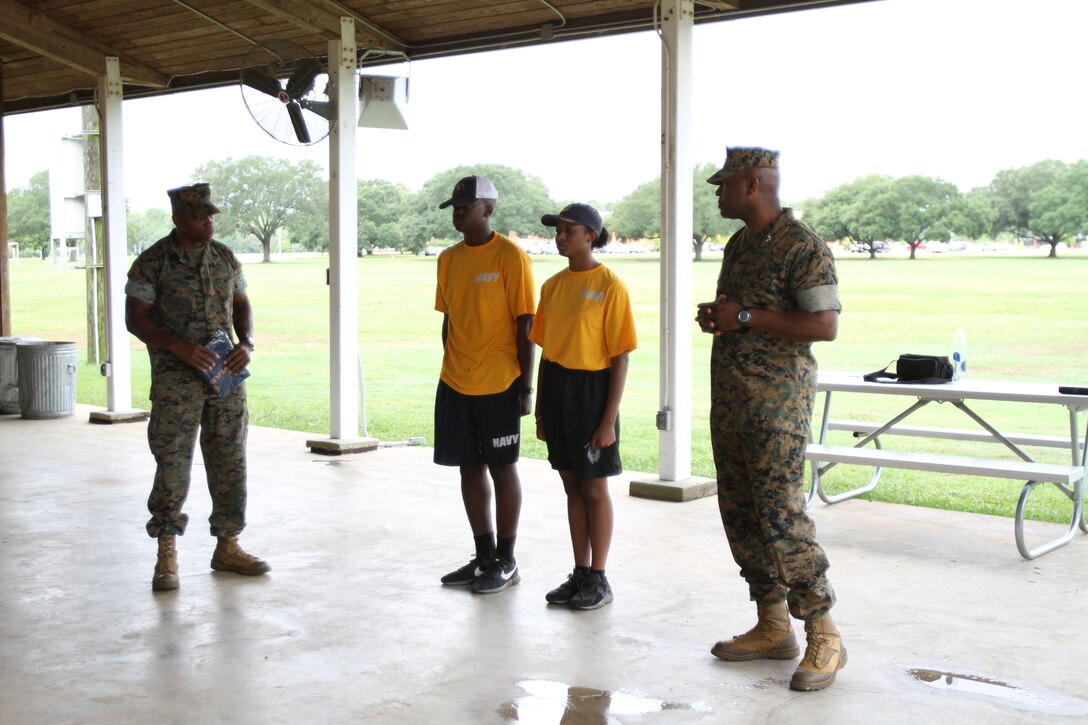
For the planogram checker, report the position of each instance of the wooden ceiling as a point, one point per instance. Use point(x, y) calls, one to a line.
point(52, 51)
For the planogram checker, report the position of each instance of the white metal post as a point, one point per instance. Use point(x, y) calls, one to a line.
point(118, 366)
point(343, 231)
point(677, 312)
point(343, 264)
point(676, 224)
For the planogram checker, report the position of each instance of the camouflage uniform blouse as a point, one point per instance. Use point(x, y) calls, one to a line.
point(191, 293)
point(762, 382)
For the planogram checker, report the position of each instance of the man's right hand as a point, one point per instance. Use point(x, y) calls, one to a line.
point(706, 314)
point(195, 356)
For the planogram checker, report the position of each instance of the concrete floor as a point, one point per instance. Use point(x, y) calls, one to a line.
point(943, 620)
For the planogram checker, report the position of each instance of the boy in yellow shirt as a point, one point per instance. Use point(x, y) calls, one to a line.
point(487, 296)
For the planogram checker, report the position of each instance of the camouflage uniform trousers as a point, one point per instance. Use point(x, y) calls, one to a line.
point(762, 505)
point(176, 413)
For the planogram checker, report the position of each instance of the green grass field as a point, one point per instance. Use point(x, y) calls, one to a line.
point(1026, 318)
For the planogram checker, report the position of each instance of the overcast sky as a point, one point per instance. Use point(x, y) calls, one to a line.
point(956, 89)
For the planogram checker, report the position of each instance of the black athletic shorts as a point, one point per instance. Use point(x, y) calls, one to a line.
point(571, 404)
point(477, 428)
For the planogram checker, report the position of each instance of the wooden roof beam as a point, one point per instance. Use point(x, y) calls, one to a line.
point(326, 23)
point(41, 34)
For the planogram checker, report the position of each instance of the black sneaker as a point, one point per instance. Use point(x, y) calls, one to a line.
point(594, 593)
point(563, 593)
point(466, 574)
point(498, 575)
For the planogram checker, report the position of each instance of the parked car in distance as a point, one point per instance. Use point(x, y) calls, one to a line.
point(863, 247)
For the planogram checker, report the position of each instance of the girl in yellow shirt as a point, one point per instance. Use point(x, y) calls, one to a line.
point(585, 328)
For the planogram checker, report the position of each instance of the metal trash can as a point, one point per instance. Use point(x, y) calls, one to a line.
point(9, 373)
point(47, 379)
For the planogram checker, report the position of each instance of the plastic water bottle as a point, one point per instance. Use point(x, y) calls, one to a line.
point(959, 355)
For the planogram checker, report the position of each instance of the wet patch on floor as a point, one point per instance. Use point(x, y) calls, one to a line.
point(1019, 695)
point(548, 702)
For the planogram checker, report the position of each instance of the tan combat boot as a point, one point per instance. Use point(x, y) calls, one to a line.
point(229, 556)
point(824, 656)
point(166, 568)
point(771, 638)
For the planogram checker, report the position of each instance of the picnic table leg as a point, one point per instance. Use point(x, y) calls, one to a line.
point(814, 486)
point(1076, 519)
point(1080, 458)
point(874, 438)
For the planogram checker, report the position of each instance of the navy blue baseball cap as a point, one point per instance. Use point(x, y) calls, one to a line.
point(576, 214)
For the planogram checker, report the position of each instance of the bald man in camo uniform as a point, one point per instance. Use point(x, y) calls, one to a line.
point(180, 291)
point(777, 294)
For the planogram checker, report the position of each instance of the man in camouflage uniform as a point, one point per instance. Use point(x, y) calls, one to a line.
point(180, 291)
point(777, 294)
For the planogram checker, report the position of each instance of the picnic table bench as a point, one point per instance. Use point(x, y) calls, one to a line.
point(1069, 479)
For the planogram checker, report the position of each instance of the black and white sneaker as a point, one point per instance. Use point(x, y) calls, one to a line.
point(563, 593)
point(466, 574)
point(594, 594)
point(498, 575)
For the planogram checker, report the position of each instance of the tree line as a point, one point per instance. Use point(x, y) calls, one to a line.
point(1047, 202)
point(266, 200)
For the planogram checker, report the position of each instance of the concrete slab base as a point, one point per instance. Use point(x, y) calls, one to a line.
point(118, 416)
point(342, 446)
point(687, 489)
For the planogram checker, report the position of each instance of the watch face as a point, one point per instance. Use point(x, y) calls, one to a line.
point(744, 317)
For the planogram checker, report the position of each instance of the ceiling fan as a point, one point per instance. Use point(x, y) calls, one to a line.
point(285, 90)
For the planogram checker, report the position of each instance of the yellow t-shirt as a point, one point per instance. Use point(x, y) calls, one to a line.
point(483, 290)
point(584, 319)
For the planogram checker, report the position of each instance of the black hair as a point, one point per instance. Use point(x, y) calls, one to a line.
point(602, 239)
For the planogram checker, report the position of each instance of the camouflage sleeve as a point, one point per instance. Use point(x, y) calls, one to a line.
point(817, 299)
point(240, 283)
point(813, 278)
point(141, 290)
point(143, 279)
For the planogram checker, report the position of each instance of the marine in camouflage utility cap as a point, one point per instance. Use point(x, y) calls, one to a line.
point(193, 199)
point(739, 158)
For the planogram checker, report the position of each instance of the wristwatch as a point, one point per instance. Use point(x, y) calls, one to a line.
point(744, 317)
point(248, 341)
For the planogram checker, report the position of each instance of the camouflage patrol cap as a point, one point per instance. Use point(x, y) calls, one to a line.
point(737, 159)
point(192, 199)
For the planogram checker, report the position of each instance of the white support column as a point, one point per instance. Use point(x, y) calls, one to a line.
point(118, 365)
point(343, 260)
point(677, 312)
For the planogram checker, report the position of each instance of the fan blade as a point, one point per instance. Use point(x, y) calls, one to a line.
point(325, 109)
point(258, 79)
point(302, 80)
point(298, 122)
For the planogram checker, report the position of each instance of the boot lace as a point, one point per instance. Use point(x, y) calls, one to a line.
point(814, 652)
point(759, 631)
